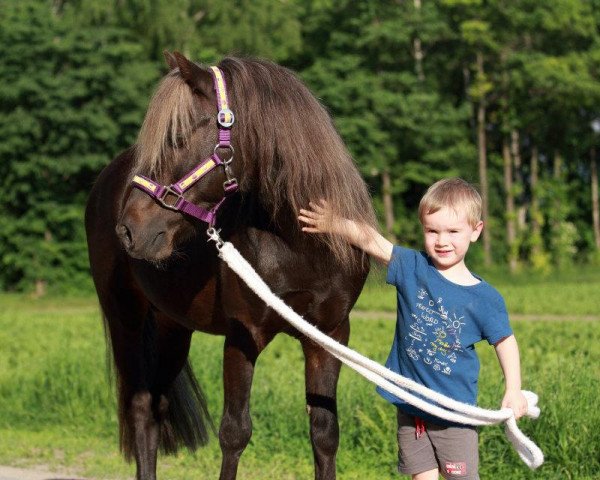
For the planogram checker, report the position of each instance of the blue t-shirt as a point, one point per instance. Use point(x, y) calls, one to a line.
point(438, 324)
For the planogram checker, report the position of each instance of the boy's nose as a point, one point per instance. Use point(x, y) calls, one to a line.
point(441, 240)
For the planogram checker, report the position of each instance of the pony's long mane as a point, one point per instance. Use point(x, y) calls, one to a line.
point(289, 150)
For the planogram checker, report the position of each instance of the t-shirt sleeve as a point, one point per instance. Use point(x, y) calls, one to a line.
point(496, 325)
point(403, 262)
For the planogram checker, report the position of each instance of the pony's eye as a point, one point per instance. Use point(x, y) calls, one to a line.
point(177, 141)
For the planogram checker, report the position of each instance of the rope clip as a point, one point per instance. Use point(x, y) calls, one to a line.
point(213, 236)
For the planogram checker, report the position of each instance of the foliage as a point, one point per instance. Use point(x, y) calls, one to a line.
point(391, 119)
point(401, 79)
point(71, 99)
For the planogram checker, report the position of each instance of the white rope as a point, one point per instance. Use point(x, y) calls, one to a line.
point(454, 411)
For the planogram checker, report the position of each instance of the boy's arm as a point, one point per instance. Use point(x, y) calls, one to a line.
point(507, 351)
point(319, 219)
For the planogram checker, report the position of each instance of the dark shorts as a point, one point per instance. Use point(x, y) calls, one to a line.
point(452, 450)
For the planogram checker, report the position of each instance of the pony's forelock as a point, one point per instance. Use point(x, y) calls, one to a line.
point(169, 119)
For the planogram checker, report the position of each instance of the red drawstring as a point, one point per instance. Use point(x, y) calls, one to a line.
point(419, 427)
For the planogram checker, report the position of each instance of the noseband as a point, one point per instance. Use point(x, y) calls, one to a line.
point(171, 196)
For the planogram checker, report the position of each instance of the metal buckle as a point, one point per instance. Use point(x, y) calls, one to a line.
point(223, 116)
point(171, 206)
point(224, 146)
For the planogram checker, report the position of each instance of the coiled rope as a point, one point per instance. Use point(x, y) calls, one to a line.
point(454, 411)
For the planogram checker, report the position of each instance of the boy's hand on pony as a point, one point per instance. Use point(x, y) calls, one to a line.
point(318, 219)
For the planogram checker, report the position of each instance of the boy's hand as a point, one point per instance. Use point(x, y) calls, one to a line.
point(516, 401)
point(321, 219)
point(317, 219)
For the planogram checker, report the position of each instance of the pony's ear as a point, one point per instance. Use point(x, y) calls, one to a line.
point(198, 78)
point(170, 59)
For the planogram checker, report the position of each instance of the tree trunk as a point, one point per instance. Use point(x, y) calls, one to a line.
point(40, 288)
point(515, 151)
point(418, 49)
point(557, 165)
point(511, 234)
point(388, 206)
point(536, 228)
point(483, 181)
point(595, 207)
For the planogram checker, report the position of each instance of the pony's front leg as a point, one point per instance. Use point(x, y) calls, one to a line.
point(239, 357)
point(322, 372)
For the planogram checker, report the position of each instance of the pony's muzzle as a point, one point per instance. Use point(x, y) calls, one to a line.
point(143, 245)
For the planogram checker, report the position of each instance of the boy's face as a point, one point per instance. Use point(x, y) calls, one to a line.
point(448, 235)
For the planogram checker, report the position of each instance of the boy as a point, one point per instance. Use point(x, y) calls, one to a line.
point(443, 310)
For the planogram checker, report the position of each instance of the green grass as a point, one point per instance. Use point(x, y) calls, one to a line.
point(573, 293)
point(57, 408)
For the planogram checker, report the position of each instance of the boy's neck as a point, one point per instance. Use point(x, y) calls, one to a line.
point(459, 274)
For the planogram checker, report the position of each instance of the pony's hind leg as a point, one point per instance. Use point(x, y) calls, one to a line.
point(322, 372)
point(150, 356)
point(240, 354)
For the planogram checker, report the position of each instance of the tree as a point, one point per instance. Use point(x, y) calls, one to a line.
point(396, 125)
point(72, 98)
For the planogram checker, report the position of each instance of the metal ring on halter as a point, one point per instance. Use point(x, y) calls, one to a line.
point(223, 146)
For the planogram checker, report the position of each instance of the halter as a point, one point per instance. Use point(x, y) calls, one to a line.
point(171, 196)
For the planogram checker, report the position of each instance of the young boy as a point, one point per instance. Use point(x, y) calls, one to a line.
point(443, 310)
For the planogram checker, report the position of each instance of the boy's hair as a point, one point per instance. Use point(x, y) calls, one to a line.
point(453, 193)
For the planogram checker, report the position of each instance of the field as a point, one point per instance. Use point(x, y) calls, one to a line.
point(57, 407)
point(571, 294)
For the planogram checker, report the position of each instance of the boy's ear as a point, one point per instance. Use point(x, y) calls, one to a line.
point(477, 231)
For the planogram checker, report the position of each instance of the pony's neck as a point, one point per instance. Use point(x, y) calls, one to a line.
point(247, 211)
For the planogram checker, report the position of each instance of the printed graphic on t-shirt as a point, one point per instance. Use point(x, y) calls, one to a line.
point(434, 334)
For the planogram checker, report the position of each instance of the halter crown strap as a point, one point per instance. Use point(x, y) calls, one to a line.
point(171, 196)
point(225, 116)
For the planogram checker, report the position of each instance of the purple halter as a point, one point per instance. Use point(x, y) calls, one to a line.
point(171, 196)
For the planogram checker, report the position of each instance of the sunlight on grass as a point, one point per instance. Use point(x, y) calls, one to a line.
point(57, 409)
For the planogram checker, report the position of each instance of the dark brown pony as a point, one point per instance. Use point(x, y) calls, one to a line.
point(158, 280)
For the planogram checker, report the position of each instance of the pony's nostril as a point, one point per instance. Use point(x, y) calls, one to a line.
point(125, 235)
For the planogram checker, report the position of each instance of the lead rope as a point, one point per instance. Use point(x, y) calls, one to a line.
point(455, 411)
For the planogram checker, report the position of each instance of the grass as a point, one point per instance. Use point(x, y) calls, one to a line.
point(57, 408)
point(572, 293)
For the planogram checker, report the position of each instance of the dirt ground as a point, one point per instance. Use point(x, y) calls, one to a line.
point(10, 473)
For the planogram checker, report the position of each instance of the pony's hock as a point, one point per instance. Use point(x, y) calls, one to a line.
point(158, 280)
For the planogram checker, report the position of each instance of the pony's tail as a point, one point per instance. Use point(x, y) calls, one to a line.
point(188, 420)
point(185, 423)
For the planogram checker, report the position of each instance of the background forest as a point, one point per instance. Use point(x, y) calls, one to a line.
point(504, 93)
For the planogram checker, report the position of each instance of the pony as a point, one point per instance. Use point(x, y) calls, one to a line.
point(158, 280)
